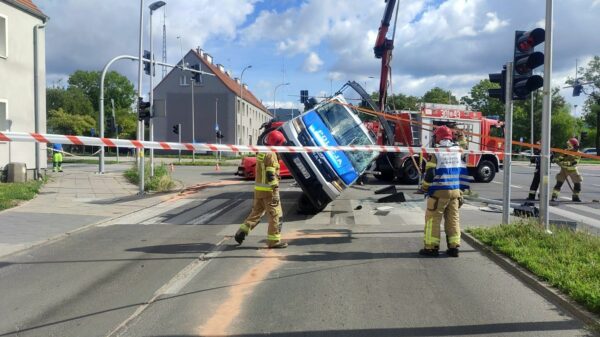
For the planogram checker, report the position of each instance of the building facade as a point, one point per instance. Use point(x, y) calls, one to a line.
point(18, 35)
point(218, 100)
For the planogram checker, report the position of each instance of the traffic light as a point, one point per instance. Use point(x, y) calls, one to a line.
point(220, 134)
point(110, 125)
point(196, 76)
point(143, 110)
point(577, 88)
point(525, 60)
point(147, 56)
point(499, 78)
point(176, 129)
point(303, 96)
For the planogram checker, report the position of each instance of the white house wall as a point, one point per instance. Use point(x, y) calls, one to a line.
point(16, 85)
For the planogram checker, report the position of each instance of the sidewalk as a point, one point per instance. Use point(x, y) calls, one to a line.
point(71, 200)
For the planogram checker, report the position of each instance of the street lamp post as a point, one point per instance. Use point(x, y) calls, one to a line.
point(140, 131)
point(275, 93)
point(154, 6)
point(241, 101)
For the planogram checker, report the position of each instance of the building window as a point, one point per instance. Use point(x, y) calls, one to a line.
point(183, 81)
point(4, 124)
point(3, 37)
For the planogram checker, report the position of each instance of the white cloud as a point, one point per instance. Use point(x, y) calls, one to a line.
point(596, 3)
point(494, 23)
point(312, 63)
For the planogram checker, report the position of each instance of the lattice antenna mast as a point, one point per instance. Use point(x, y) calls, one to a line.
point(164, 42)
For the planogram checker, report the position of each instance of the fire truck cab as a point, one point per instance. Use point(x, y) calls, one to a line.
point(416, 130)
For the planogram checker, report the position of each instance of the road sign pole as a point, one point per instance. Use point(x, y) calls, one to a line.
point(179, 151)
point(508, 110)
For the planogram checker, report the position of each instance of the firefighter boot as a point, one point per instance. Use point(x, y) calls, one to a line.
point(576, 198)
point(429, 252)
point(279, 244)
point(531, 197)
point(453, 252)
point(576, 190)
point(240, 235)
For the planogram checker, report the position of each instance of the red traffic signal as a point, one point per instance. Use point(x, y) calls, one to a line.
point(525, 60)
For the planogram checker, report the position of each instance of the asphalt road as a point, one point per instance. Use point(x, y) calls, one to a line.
point(173, 270)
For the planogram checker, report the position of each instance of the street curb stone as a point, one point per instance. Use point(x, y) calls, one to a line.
point(532, 281)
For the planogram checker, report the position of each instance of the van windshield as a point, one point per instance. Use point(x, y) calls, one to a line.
point(346, 131)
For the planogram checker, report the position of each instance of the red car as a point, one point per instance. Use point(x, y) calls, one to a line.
point(248, 164)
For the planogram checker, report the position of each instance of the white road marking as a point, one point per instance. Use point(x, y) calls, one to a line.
point(501, 183)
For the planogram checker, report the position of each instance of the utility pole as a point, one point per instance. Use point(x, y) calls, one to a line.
point(140, 135)
point(179, 128)
point(508, 110)
point(193, 123)
point(546, 121)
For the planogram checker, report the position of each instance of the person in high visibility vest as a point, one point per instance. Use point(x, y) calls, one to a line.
point(57, 157)
point(446, 177)
point(568, 168)
point(266, 196)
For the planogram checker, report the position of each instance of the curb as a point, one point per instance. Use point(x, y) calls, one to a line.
point(547, 291)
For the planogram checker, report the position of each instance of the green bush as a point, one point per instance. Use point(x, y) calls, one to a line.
point(160, 182)
point(565, 259)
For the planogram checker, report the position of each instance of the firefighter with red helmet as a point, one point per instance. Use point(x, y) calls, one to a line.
point(266, 195)
point(568, 168)
point(446, 178)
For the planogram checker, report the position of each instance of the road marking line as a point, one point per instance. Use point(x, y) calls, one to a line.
point(501, 183)
point(176, 283)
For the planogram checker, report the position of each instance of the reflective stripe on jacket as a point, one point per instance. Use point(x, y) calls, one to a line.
point(568, 161)
point(450, 173)
point(266, 163)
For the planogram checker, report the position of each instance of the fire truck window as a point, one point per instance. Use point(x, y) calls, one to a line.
point(497, 132)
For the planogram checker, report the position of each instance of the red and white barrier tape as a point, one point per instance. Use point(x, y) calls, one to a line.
point(126, 143)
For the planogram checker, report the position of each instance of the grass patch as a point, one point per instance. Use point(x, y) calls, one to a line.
point(161, 182)
point(569, 261)
point(13, 193)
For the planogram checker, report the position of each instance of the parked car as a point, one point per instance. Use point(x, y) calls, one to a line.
point(589, 150)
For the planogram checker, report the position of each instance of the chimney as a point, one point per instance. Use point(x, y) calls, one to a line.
point(228, 73)
point(237, 80)
point(198, 49)
point(209, 58)
point(245, 86)
point(201, 52)
point(221, 67)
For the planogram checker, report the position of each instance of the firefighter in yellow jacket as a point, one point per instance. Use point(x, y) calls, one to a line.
point(568, 168)
point(266, 195)
point(446, 178)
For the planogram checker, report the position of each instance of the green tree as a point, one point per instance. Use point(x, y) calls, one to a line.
point(116, 87)
point(61, 122)
point(71, 100)
point(479, 100)
point(439, 95)
point(403, 102)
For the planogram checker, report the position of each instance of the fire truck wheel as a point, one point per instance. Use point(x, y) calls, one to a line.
point(410, 174)
point(486, 171)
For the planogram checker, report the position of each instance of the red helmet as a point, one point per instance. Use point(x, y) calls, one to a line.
point(275, 138)
point(442, 132)
point(574, 142)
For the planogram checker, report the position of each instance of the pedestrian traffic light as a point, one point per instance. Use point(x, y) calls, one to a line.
point(220, 134)
point(196, 76)
point(499, 78)
point(525, 60)
point(147, 56)
point(176, 129)
point(143, 110)
point(303, 96)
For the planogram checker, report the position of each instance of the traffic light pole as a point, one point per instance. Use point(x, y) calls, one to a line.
point(179, 134)
point(546, 122)
point(508, 122)
point(193, 123)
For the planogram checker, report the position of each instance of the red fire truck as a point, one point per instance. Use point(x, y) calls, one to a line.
point(415, 128)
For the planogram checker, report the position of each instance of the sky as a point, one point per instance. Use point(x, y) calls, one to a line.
point(318, 45)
